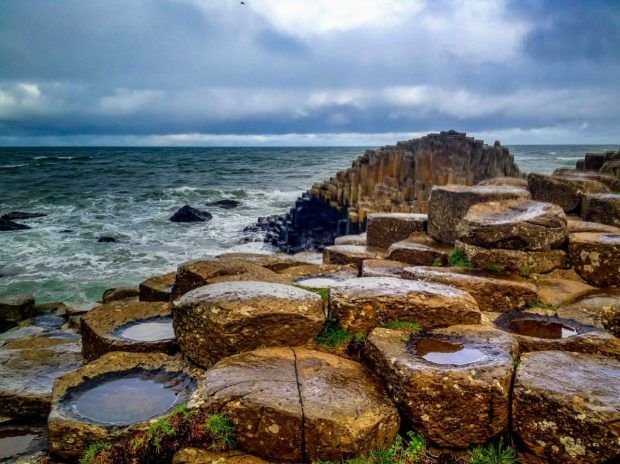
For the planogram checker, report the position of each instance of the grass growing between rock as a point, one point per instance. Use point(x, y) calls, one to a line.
point(493, 454)
point(322, 292)
point(164, 437)
point(333, 336)
point(407, 326)
point(457, 257)
point(541, 305)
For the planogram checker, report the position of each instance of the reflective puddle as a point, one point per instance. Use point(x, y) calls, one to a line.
point(149, 330)
point(14, 442)
point(541, 329)
point(443, 352)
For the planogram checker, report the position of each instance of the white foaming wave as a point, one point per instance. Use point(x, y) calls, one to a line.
point(12, 166)
point(62, 157)
point(569, 158)
point(289, 195)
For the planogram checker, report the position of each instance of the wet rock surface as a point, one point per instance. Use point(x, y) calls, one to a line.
point(189, 214)
point(566, 407)
point(274, 262)
point(452, 385)
point(596, 257)
point(383, 229)
point(562, 191)
point(602, 207)
point(134, 327)
point(514, 225)
point(555, 292)
point(358, 239)
point(598, 308)
point(20, 443)
point(223, 319)
point(202, 456)
point(419, 250)
point(449, 204)
point(491, 291)
point(28, 367)
point(350, 254)
point(362, 304)
point(575, 224)
point(382, 268)
point(306, 271)
point(114, 397)
point(120, 293)
point(17, 308)
point(157, 288)
point(295, 404)
point(225, 204)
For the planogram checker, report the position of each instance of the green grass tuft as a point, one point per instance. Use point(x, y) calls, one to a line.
point(526, 271)
point(541, 305)
point(408, 326)
point(437, 262)
point(158, 430)
point(222, 432)
point(333, 336)
point(457, 257)
point(360, 337)
point(90, 456)
point(493, 267)
point(322, 292)
point(492, 454)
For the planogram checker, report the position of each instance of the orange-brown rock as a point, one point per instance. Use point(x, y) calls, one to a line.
point(575, 224)
point(511, 181)
point(596, 257)
point(566, 407)
point(612, 182)
point(419, 250)
point(525, 225)
point(359, 239)
point(555, 292)
point(298, 405)
point(598, 308)
point(274, 262)
point(449, 204)
point(562, 191)
point(102, 328)
point(219, 320)
point(493, 292)
point(202, 456)
point(320, 270)
point(368, 302)
point(383, 229)
point(157, 288)
point(452, 385)
point(194, 274)
point(601, 207)
point(350, 254)
point(382, 268)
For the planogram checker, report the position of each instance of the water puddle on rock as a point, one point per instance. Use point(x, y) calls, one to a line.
point(541, 329)
point(150, 330)
point(126, 400)
point(319, 282)
point(14, 442)
point(443, 352)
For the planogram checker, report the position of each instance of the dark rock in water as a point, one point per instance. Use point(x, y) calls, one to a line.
point(225, 204)
point(106, 239)
point(7, 224)
point(15, 215)
point(189, 214)
point(66, 231)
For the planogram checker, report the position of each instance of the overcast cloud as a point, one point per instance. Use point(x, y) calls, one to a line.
point(307, 72)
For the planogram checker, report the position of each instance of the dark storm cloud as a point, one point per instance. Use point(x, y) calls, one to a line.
point(175, 68)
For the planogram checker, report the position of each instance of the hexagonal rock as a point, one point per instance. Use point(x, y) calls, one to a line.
point(202, 456)
point(596, 257)
point(223, 319)
point(157, 288)
point(28, 367)
point(514, 260)
point(132, 396)
point(566, 407)
point(299, 405)
point(556, 292)
point(491, 291)
point(350, 254)
point(562, 191)
point(382, 268)
point(419, 250)
point(109, 328)
point(359, 239)
point(536, 332)
point(274, 262)
point(511, 181)
point(197, 273)
point(514, 225)
point(601, 207)
point(448, 204)
point(383, 229)
point(575, 224)
point(340, 271)
point(598, 308)
point(452, 385)
point(365, 303)
point(610, 181)
point(119, 294)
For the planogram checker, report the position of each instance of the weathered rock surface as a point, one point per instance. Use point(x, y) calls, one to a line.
point(492, 292)
point(350, 254)
point(337, 271)
point(612, 182)
point(548, 332)
point(575, 225)
point(596, 257)
point(382, 268)
point(601, 207)
point(28, 367)
point(598, 308)
point(71, 432)
point(566, 407)
point(157, 288)
point(194, 274)
point(202, 456)
point(451, 384)
point(555, 292)
point(562, 191)
point(189, 214)
point(384, 229)
point(510, 181)
point(297, 405)
point(16, 308)
point(419, 250)
point(523, 262)
point(274, 262)
point(223, 319)
point(368, 302)
point(449, 204)
point(120, 293)
point(101, 328)
point(514, 225)
point(358, 239)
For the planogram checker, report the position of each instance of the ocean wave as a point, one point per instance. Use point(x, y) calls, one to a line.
point(11, 166)
point(56, 158)
point(287, 195)
point(569, 158)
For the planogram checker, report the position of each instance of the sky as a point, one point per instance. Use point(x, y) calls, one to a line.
point(307, 72)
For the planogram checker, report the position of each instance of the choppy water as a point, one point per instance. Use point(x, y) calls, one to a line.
point(130, 193)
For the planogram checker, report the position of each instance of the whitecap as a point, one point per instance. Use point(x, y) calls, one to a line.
point(11, 166)
point(569, 158)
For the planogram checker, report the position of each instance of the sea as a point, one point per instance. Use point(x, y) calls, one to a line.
point(130, 194)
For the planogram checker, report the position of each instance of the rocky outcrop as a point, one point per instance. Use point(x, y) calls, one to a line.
point(15, 309)
point(566, 407)
point(382, 268)
point(566, 192)
point(277, 262)
point(223, 319)
point(226, 203)
point(157, 288)
point(596, 257)
point(189, 214)
point(350, 254)
point(299, 405)
point(602, 208)
point(420, 250)
point(119, 294)
point(383, 229)
point(357, 239)
point(360, 305)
